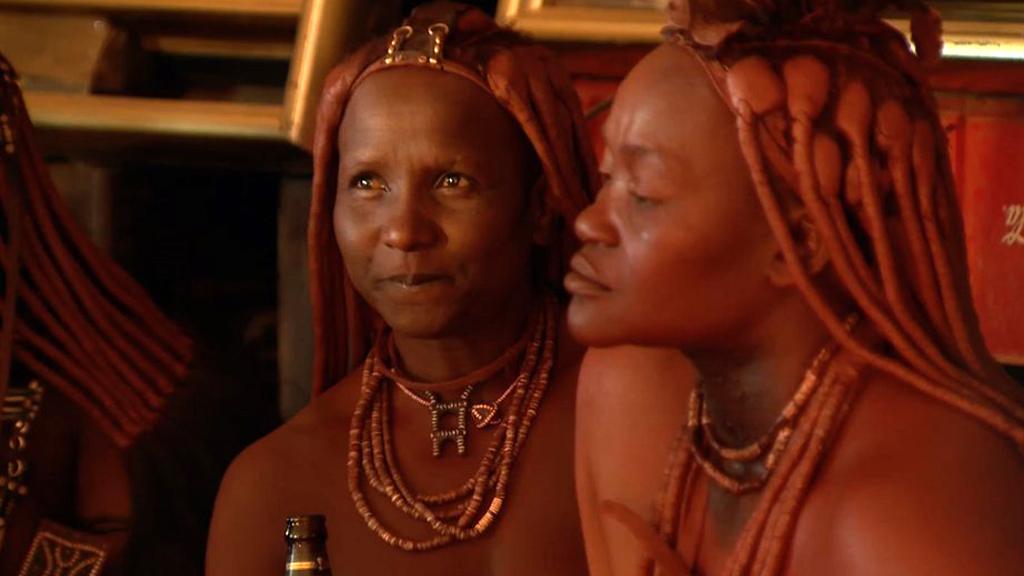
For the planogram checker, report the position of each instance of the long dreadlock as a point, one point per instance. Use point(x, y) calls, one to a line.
point(70, 314)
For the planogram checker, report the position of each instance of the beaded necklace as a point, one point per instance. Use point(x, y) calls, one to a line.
point(20, 408)
point(762, 454)
point(692, 451)
point(484, 414)
point(754, 462)
point(459, 514)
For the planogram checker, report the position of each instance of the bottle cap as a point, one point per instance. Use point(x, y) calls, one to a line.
point(305, 527)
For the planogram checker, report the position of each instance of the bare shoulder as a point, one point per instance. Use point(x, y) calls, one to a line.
point(280, 457)
point(628, 393)
point(632, 375)
point(269, 481)
point(916, 486)
point(631, 403)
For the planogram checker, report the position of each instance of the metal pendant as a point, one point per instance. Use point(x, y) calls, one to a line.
point(485, 414)
point(438, 435)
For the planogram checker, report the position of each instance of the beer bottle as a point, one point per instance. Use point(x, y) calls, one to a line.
point(307, 546)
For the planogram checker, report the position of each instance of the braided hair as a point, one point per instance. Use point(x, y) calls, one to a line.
point(71, 315)
point(834, 114)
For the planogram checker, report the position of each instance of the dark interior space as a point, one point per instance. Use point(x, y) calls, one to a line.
point(214, 272)
point(488, 5)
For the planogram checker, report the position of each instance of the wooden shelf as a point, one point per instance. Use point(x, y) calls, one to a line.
point(179, 45)
point(978, 40)
point(181, 118)
point(983, 31)
point(309, 35)
point(257, 8)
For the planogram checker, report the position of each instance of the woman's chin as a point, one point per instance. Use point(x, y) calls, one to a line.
point(422, 322)
point(597, 326)
point(590, 327)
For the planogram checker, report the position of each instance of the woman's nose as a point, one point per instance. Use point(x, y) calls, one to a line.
point(409, 227)
point(593, 225)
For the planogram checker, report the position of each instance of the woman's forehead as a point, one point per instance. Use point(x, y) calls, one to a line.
point(421, 91)
point(412, 103)
point(665, 100)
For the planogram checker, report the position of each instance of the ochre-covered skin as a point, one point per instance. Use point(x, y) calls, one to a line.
point(442, 207)
point(907, 458)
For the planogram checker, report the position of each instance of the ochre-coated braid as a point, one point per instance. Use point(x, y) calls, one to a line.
point(865, 155)
point(79, 322)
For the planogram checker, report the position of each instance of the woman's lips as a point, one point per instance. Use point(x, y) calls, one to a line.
point(414, 287)
point(414, 280)
point(582, 279)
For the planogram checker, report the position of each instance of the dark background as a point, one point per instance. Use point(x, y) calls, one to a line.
point(488, 5)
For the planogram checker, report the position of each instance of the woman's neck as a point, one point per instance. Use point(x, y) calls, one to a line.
point(746, 389)
point(480, 342)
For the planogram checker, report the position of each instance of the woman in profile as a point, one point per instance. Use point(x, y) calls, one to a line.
point(776, 180)
point(451, 159)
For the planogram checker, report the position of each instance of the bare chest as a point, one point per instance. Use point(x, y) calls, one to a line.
point(536, 530)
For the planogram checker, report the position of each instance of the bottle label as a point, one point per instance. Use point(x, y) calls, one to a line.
point(318, 566)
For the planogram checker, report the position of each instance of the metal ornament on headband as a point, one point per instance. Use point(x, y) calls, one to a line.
point(414, 46)
point(431, 54)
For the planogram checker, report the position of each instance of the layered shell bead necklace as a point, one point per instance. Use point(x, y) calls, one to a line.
point(460, 513)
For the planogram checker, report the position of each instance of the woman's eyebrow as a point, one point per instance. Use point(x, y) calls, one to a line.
point(636, 151)
point(360, 158)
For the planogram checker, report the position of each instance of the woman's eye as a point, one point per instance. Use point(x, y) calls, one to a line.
point(642, 200)
point(452, 180)
point(367, 184)
point(366, 181)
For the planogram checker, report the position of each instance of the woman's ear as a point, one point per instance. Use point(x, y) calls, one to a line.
point(810, 249)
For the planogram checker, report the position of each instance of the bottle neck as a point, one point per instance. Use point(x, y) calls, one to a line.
point(307, 558)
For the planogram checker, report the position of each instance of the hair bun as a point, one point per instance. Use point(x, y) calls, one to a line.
point(462, 19)
point(783, 12)
point(710, 23)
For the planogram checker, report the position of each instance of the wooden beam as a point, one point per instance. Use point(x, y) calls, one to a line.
point(259, 8)
point(119, 114)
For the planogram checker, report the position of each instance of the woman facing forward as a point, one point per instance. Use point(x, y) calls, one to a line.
point(450, 158)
